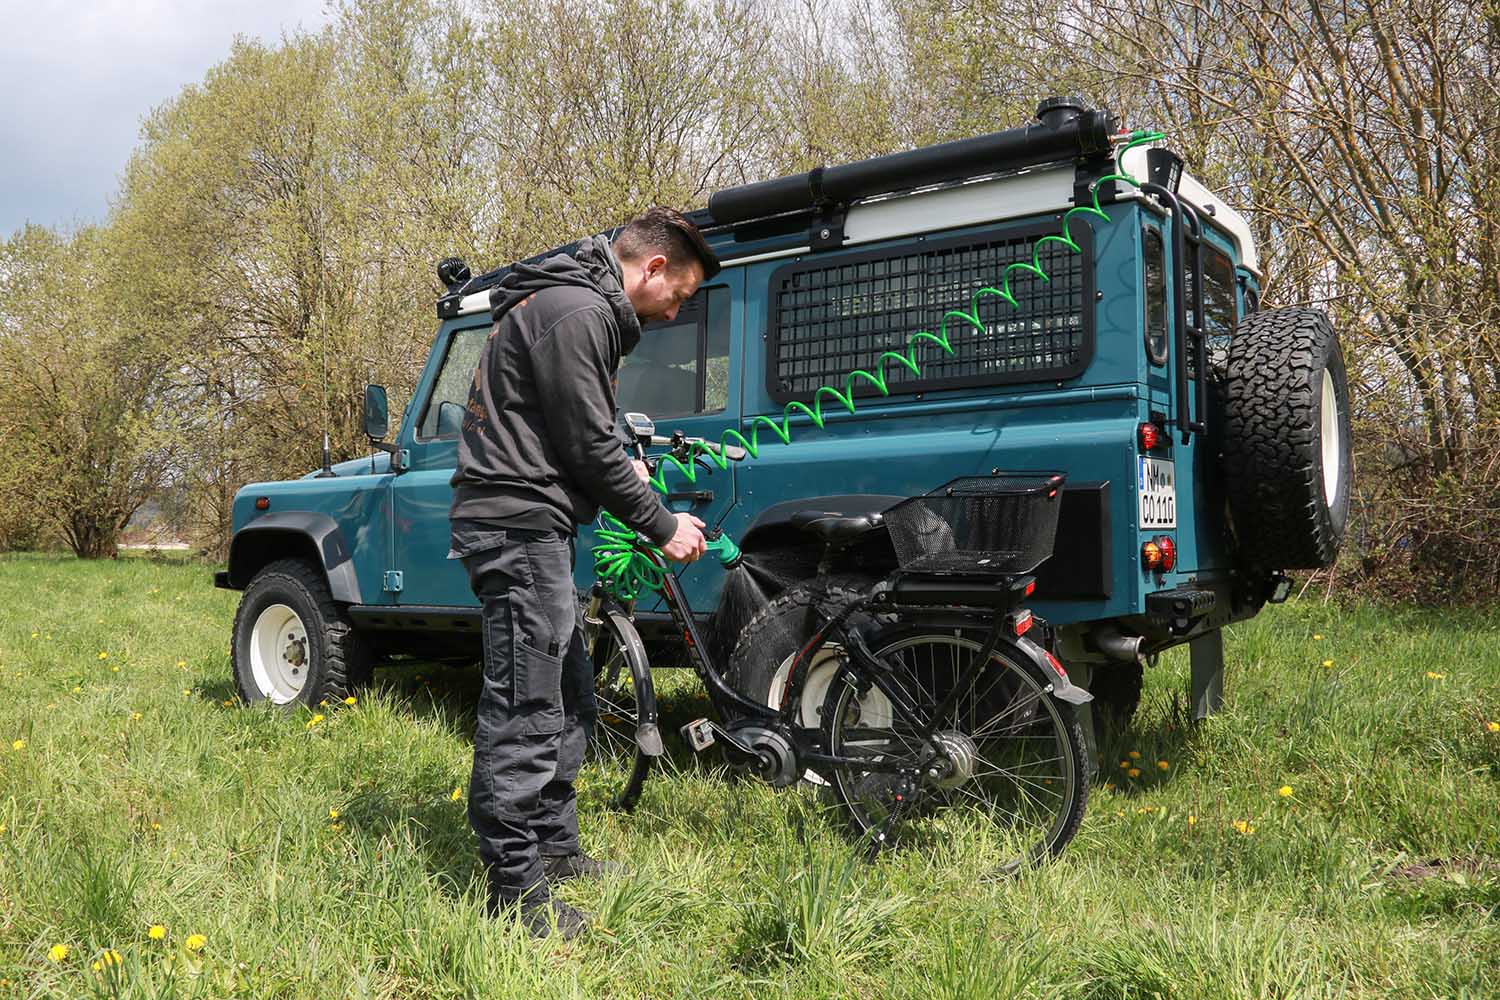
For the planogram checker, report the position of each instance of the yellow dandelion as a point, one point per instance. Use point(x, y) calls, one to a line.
point(195, 942)
point(1134, 755)
point(1284, 791)
point(57, 952)
point(350, 700)
point(114, 669)
point(458, 793)
point(1124, 764)
point(1163, 765)
point(228, 702)
point(156, 826)
point(1243, 826)
point(314, 720)
point(1493, 727)
point(103, 655)
point(2, 827)
point(1134, 772)
point(35, 635)
point(333, 814)
point(76, 689)
point(182, 664)
point(156, 932)
point(1192, 820)
point(335, 827)
point(1317, 636)
point(186, 692)
point(1433, 675)
point(135, 716)
point(1327, 663)
point(323, 703)
point(18, 744)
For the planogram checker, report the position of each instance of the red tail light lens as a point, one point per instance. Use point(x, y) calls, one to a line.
point(1168, 553)
point(1150, 436)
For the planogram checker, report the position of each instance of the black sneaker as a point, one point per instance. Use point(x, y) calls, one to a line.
point(542, 916)
point(561, 867)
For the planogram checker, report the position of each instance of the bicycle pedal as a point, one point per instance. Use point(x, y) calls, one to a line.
point(700, 734)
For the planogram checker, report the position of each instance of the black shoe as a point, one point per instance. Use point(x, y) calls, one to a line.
point(543, 916)
point(561, 867)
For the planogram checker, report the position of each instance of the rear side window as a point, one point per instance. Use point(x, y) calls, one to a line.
point(444, 415)
point(1154, 256)
point(830, 315)
point(681, 367)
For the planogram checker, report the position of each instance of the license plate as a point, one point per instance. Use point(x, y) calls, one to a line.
point(1156, 484)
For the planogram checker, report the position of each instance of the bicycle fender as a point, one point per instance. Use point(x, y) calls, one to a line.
point(1062, 688)
point(647, 735)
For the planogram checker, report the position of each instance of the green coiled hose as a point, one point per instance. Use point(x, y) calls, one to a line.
point(620, 562)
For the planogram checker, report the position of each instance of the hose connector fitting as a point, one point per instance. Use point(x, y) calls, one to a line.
point(725, 548)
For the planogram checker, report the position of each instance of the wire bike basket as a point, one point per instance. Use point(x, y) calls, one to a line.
point(1000, 525)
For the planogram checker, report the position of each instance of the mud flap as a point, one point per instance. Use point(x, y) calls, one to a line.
point(1063, 689)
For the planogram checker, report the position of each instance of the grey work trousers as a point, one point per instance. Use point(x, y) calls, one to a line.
point(536, 708)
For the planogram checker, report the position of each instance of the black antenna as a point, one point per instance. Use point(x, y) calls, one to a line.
point(327, 471)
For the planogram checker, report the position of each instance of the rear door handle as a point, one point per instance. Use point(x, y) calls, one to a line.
point(697, 496)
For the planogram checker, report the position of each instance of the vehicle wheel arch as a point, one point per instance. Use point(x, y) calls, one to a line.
point(306, 535)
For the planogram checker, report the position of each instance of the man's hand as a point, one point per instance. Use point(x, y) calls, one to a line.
point(688, 544)
point(641, 470)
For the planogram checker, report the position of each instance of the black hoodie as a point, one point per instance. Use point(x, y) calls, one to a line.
point(539, 443)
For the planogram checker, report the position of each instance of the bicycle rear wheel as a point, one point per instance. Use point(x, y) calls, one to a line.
point(621, 677)
point(1016, 764)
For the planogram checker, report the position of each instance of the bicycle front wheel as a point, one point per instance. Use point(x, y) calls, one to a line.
point(1012, 758)
point(622, 678)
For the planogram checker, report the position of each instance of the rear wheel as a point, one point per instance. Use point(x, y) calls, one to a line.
point(621, 678)
point(1015, 770)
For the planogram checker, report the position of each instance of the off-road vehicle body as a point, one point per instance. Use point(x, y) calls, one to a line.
point(1205, 441)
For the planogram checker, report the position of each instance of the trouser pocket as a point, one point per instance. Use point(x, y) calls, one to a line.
point(538, 687)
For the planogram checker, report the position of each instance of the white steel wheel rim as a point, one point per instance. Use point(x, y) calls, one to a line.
point(280, 655)
point(1333, 451)
point(820, 674)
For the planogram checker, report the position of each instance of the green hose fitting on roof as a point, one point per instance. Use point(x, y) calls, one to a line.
point(626, 571)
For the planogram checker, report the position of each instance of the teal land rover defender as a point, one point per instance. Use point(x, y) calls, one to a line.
point(1205, 440)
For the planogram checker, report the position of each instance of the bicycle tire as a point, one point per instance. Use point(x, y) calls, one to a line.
point(1007, 717)
point(622, 678)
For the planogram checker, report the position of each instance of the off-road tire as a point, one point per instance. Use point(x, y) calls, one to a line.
point(1273, 439)
point(1116, 688)
point(780, 628)
point(340, 660)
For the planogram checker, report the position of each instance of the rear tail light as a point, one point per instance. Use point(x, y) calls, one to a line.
point(1159, 554)
point(1022, 622)
point(1151, 437)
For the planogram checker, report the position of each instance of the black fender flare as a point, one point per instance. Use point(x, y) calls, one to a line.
point(294, 532)
point(774, 524)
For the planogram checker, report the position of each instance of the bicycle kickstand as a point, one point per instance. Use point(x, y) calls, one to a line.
point(901, 797)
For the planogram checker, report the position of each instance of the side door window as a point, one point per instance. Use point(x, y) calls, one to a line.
point(1155, 261)
point(442, 417)
point(681, 366)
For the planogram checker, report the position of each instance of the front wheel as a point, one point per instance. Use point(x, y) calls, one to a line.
point(1012, 766)
point(622, 682)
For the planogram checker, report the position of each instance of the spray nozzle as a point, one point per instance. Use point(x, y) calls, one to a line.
point(724, 547)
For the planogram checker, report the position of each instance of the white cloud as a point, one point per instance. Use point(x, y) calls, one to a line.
point(79, 77)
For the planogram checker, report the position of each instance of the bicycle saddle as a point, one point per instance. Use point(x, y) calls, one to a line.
point(833, 527)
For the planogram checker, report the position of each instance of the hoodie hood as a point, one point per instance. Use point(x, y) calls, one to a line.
point(591, 265)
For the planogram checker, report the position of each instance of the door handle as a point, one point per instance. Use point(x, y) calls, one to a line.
point(697, 496)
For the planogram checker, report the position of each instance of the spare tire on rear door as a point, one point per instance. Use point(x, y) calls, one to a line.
point(1285, 439)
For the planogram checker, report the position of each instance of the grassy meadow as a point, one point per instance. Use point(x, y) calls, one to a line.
point(1335, 832)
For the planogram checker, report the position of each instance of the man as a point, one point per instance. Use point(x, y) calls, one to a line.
point(539, 455)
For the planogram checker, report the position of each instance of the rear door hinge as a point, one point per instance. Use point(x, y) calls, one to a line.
point(392, 581)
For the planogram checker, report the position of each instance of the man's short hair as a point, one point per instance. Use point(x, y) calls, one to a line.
point(667, 232)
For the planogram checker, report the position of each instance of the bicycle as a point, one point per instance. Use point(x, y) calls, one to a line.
point(923, 715)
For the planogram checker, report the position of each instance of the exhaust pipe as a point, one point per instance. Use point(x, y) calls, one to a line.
point(1116, 645)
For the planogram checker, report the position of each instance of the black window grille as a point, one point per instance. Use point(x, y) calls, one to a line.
point(829, 317)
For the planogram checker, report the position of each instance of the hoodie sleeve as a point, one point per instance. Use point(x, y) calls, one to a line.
point(571, 367)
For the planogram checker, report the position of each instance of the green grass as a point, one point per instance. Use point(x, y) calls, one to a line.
point(140, 798)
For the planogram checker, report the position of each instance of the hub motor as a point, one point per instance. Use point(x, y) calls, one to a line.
point(959, 767)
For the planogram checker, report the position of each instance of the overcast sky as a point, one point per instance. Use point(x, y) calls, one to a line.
point(77, 77)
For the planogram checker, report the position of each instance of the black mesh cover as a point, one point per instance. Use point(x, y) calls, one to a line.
point(830, 316)
point(978, 525)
